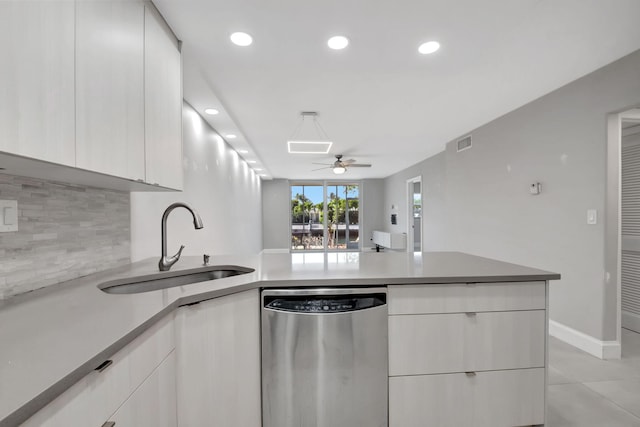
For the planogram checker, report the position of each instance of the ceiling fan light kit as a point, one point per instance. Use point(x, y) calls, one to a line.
point(339, 170)
point(340, 166)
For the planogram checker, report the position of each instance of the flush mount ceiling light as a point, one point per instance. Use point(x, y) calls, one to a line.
point(309, 137)
point(243, 151)
point(338, 42)
point(241, 39)
point(231, 136)
point(258, 169)
point(429, 47)
point(252, 161)
point(211, 111)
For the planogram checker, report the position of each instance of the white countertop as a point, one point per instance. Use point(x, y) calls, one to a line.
point(51, 338)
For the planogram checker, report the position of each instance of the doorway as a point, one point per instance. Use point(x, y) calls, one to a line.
point(622, 235)
point(414, 217)
point(630, 220)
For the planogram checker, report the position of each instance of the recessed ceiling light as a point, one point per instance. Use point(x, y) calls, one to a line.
point(231, 136)
point(258, 169)
point(428, 47)
point(211, 111)
point(241, 39)
point(338, 42)
point(243, 151)
point(251, 161)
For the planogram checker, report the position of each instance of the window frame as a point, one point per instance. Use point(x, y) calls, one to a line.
point(325, 237)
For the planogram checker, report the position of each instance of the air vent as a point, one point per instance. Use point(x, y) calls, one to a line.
point(464, 143)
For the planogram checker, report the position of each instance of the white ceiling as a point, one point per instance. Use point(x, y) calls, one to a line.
point(379, 100)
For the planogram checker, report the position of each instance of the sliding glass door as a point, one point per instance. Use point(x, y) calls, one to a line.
point(325, 216)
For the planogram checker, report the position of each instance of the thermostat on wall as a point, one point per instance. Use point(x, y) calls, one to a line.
point(535, 188)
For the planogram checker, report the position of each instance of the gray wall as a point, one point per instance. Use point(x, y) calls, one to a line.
point(64, 232)
point(372, 211)
point(219, 185)
point(480, 204)
point(276, 205)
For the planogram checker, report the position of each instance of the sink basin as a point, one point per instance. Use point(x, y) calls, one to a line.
point(154, 282)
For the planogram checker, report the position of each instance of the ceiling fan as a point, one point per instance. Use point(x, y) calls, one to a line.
point(340, 166)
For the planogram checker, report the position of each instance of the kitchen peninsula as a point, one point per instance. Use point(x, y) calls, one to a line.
point(493, 314)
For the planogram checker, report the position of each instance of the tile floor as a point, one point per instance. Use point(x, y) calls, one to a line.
point(585, 391)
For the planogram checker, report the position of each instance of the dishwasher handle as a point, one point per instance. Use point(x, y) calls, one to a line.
point(324, 304)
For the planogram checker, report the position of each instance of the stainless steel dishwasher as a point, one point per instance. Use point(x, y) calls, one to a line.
point(325, 357)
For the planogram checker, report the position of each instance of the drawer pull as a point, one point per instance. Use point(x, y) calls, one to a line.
point(109, 424)
point(471, 313)
point(104, 365)
point(470, 374)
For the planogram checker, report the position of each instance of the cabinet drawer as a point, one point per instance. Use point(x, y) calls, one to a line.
point(463, 297)
point(95, 397)
point(486, 399)
point(461, 342)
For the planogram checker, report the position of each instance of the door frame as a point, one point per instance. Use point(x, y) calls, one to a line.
point(613, 213)
point(409, 204)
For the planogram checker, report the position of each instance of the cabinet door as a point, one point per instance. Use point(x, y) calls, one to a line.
point(37, 80)
point(218, 363)
point(466, 297)
point(163, 103)
point(153, 404)
point(110, 88)
point(442, 343)
point(430, 400)
point(486, 399)
point(90, 401)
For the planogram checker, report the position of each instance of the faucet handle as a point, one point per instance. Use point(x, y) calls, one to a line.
point(176, 257)
point(205, 259)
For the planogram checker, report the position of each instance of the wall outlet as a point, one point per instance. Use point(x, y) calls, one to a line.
point(8, 215)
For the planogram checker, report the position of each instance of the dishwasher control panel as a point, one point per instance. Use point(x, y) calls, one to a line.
point(324, 304)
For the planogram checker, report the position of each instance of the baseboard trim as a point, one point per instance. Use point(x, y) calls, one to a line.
point(275, 251)
point(587, 343)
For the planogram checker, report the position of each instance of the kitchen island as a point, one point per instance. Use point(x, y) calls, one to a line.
point(54, 339)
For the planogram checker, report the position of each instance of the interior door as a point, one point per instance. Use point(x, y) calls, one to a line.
point(631, 225)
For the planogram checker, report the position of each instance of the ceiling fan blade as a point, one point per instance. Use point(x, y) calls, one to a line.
point(326, 167)
point(348, 162)
point(359, 165)
point(324, 164)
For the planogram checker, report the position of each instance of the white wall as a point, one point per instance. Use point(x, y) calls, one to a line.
point(276, 197)
point(219, 185)
point(479, 202)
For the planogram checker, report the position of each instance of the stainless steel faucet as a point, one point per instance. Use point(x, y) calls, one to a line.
point(166, 262)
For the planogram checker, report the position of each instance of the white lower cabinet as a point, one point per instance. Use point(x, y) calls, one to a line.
point(467, 355)
point(153, 404)
point(218, 362)
point(95, 398)
point(483, 399)
point(460, 342)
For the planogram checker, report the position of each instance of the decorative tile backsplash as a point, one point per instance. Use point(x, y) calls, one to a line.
point(65, 231)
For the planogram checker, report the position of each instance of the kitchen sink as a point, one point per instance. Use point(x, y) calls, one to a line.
point(154, 282)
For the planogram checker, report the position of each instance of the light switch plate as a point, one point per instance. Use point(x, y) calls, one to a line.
point(8, 215)
point(592, 216)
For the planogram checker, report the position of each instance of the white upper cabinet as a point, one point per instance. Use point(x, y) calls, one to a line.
point(91, 86)
point(37, 80)
point(109, 88)
point(163, 103)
